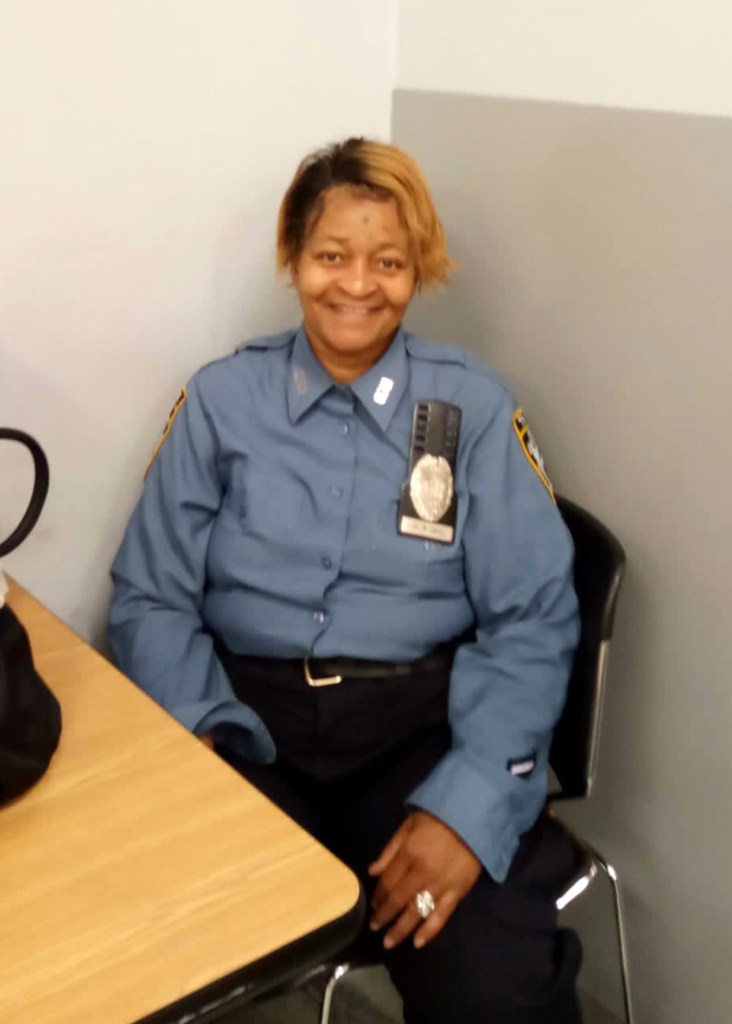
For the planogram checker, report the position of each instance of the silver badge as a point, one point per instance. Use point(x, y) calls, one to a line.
point(430, 487)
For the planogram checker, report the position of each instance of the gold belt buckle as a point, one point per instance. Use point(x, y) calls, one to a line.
point(325, 681)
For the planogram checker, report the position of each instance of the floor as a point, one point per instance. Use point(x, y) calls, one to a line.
point(366, 997)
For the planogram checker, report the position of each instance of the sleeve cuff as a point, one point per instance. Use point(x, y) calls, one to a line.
point(489, 821)
point(245, 731)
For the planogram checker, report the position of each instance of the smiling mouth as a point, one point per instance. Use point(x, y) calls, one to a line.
point(354, 310)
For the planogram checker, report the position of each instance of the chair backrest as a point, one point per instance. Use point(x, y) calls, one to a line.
point(598, 571)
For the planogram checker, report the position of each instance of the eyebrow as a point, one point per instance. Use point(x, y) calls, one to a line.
point(380, 248)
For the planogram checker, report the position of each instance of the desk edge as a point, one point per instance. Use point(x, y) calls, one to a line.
point(277, 970)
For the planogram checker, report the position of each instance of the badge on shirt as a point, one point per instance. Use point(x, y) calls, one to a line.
point(522, 767)
point(383, 390)
point(428, 505)
point(531, 449)
point(180, 402)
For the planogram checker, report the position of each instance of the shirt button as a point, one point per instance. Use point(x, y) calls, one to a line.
point(319, 617)
point(337, 492)
point(326, 562)
point(345, 429)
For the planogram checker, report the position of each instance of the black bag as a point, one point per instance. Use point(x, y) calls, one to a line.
point(30, 716)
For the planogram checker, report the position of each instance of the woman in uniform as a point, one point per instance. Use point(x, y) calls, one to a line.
point(348, 573)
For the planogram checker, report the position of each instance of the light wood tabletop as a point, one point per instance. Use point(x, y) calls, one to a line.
point(142, 868)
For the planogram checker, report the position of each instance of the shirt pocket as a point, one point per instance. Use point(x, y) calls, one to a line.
point(272, 501)
point(264, 502)
point(418, 563)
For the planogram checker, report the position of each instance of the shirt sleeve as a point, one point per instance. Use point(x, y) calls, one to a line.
point(156, 631)
point(507, 688)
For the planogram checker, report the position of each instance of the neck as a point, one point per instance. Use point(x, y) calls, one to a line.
point(345, 371)
point(345, 367)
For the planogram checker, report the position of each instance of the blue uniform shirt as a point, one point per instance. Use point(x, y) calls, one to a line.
point(269, 518)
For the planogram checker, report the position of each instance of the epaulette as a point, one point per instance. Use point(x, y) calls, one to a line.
point(453, 355)
point(435, 351)
point(270, 341)
point(442, 352)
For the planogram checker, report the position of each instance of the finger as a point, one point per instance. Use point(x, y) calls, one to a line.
point(437, 920)
point(392, 876)
point(389, 851)
point(408, 920)
point(393, 901)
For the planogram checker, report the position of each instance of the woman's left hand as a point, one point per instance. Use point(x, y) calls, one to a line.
point(423, 853)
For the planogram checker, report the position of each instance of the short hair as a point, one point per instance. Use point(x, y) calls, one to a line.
point(380, 169)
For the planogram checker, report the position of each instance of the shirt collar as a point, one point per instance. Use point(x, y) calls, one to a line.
point(307, 380)
point(379, 389)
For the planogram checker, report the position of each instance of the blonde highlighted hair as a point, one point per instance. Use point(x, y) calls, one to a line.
point(380, 169)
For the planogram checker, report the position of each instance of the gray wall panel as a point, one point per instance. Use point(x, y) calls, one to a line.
point(595, 248)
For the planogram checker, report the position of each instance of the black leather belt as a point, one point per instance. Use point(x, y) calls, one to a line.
point(331, 671)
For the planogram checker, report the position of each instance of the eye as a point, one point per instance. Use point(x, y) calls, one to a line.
point(390, 263)
point(329, 257)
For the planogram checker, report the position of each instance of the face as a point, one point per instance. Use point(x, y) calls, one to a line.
point(355, 278)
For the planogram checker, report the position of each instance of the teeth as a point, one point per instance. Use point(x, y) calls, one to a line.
point(352, 310)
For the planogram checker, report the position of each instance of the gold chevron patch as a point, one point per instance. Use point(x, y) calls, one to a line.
point(179, 403)
point(531, 449)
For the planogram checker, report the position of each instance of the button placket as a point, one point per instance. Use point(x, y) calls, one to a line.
point(341, 452)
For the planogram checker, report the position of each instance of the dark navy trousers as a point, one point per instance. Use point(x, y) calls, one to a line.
point(348, 757)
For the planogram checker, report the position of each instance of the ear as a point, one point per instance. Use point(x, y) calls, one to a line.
point(294, 272)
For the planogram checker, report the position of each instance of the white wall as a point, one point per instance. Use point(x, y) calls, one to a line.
point(658, 54)
point(145, 146)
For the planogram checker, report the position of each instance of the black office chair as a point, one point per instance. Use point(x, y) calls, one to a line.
point(598, 572)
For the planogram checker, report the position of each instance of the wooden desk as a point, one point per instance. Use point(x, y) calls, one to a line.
point(142, 872)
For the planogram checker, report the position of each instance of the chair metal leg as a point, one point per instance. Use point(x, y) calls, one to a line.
point(577, 887)
point(622, 945)
point(338, 972)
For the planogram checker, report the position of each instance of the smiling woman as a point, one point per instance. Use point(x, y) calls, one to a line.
point(355, 277)
point(346, 573)
point(359, 233)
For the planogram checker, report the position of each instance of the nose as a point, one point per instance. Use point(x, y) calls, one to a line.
point(357, 280)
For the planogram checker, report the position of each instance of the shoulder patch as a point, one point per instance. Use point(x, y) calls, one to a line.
point(179, 403)
point(531, 449)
